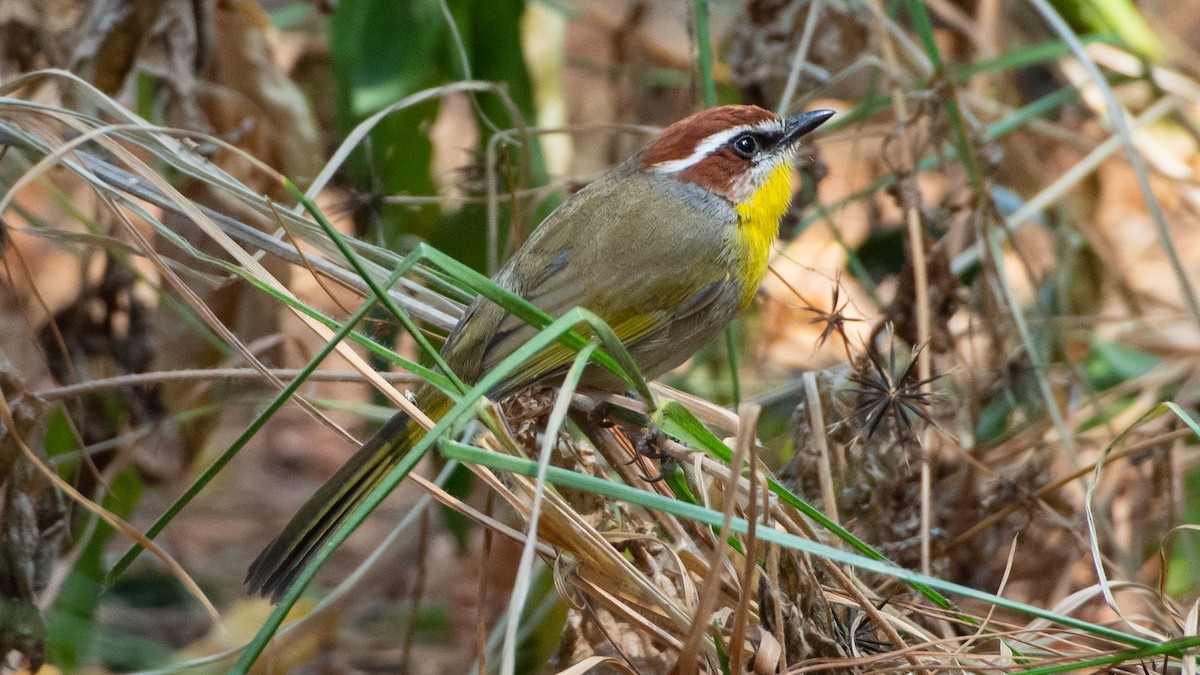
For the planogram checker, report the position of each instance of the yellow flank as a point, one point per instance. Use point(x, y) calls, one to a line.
point(758, 220)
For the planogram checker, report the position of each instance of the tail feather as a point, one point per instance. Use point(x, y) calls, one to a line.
point(284, 558)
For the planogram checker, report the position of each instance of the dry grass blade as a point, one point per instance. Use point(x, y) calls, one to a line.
point(1118, 119)
point(104, 514)
point(971, 190)
point(218, 235)
point(209, 374)
point(749, 572)
point(600, 566)
point(557, 419)
point(161, 142)
point(821, 438)
point(595, 661)
point(714, 576)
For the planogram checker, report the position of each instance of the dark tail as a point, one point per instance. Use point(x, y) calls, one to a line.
point(283, 559)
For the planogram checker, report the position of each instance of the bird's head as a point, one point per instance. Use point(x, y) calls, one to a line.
point(743, 154)
point(734, 151)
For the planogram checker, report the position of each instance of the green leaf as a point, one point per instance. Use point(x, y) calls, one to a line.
point(382, 51)
point(1120, 17)
point(1110, 363)
point(72, 631)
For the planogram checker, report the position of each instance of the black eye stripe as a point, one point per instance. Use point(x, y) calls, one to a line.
point(747, 145)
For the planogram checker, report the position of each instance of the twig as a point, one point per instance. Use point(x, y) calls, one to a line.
point(748, 422)
point(916, 242)
point(816, 421)
point(1136, 162)
point(800, 57)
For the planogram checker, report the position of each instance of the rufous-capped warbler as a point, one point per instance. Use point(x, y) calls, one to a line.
point(665, 248)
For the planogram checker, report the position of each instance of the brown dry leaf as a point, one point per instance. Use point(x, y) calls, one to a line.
point(287, 651)
point(588, 664)
point(164, 38)
point(1122, 220)
point(254, 103)
point(32, 525)
point(33, 34)
point(594, 631)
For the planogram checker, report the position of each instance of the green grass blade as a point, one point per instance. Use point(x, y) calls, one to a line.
point(708, 89)
point(678, 421)
point(708, 86)
point(554, 424)
point(1028, 56)
point(1176, 647)
point(219, 463)
point(380, 294)
point(650, 500)
point(1183, 415)
point(462, 410)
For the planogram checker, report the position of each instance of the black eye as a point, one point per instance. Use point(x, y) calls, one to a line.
point(745, 146)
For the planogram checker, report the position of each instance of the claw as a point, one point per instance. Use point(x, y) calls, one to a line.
point(646, 445)
point(653, 479)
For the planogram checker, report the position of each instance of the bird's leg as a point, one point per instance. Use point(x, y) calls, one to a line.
point(601, 415)
point(592, 408)
point(638, 429)
point(648, 444)
point(648, 441)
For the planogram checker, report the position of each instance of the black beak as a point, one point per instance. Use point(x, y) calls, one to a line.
point(799, 125)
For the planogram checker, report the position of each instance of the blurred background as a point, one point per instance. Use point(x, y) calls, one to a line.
point(992, 390)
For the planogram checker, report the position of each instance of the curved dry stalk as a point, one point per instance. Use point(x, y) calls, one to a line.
point(206, 224)
point(799, 58)
point(687, 663)
point(114, 521)
point(208, 374)
point(1117, 119)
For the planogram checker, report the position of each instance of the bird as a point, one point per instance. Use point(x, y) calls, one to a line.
point(666, 247)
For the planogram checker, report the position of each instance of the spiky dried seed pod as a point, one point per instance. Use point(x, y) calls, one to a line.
point(882, 392)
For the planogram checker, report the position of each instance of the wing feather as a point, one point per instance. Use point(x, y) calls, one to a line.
point(640, 280)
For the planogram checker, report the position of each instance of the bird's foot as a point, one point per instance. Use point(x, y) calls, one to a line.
point(647, 445)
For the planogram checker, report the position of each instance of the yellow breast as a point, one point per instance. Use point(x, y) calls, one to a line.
point(758, 223)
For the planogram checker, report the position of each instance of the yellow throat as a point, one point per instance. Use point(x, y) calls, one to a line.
point(758, 223)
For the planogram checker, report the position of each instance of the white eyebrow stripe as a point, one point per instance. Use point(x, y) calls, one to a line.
point(705, 147)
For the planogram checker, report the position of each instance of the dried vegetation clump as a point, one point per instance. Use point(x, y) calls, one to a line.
point(974, 355)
